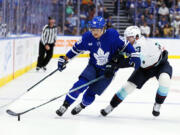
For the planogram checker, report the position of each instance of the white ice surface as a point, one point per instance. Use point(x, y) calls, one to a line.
point(132, 117)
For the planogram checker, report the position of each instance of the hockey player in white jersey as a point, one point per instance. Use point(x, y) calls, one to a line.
point(154, 63)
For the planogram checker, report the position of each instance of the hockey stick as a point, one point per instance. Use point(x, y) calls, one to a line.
point(10, 112)
point(29, 89)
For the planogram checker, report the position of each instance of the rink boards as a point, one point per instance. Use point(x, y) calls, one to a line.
point(19, 55)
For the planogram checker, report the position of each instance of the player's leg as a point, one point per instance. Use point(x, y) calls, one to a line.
point(164, 78)
point(41, 56)
point(89, 96)
point(136, 80)
point(71, 97)
point(88, 74)
point(128, 88)
point(48, 57)
point(162, 92)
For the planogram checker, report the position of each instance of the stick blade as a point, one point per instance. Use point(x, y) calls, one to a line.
point(12, 113)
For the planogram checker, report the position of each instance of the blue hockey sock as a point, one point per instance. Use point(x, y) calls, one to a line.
point(71, 97)
point(88, 97)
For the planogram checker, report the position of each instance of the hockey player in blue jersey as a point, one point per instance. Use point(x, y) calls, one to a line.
point(102, 45)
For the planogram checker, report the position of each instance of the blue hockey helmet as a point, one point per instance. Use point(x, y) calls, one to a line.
point(97, 22)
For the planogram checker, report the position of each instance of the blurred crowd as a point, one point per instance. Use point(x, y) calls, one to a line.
point(87, 12)
point(29, 16)
point(156, 18)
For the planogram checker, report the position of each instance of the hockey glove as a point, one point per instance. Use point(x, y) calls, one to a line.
point(110, 69)
point(135, 59)
point(62, 63)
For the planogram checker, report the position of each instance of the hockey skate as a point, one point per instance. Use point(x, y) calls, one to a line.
point(107, 110)
point(77, 109)
point(62, 108)
point(156, 109)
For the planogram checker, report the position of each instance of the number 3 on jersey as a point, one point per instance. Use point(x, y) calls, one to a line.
point(138, 49)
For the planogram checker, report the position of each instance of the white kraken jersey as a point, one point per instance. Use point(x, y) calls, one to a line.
point(150, 52)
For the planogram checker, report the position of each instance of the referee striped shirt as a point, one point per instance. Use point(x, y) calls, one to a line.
point(49, 35)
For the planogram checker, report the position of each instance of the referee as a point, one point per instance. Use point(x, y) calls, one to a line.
point(47, 43)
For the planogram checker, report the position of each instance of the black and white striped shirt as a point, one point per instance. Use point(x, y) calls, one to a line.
point(49, 35)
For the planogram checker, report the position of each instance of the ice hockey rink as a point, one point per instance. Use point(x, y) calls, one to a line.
point(132, 117)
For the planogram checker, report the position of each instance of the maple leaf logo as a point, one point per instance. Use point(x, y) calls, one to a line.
point(101, 58)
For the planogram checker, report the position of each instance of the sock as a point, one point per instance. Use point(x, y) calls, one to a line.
point(161, 94)
point(115, 101)
point(160, 99)
point(71, 97)
point(88, 97)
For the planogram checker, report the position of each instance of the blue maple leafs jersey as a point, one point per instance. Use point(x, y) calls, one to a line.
point(102, 49)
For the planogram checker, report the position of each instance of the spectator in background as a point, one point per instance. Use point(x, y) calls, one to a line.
point(71, 21)
point(153, 9)
point(146, 12)
point(105, 13)
point(171, 13)
point(160, 2)
point(100, 2)
point(157, 32)
point(144, 4)
point(152, 23)
point(69, 8)
point(59, 30)
point(145, 30)
point(177, 9)
point(142, 20)
point(67, 31)
point(151, 20)
point(176, 24)
point(163, 10)
point(138, 15)
point(139, 6)
point(91, 13)
point(100, 11)
point(74, 31)
point(167, 31)
point(162, 22)
point(86, 4)
point(83, 19)
point(178, 3)
point(109, 23)
point(131, 6)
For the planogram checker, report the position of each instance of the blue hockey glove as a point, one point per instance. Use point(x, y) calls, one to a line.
point(135, 59)
point(62, 63)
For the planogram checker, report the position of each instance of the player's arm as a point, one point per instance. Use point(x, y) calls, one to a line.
point(134, 57)
point(126, 47)
point(78, 48)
